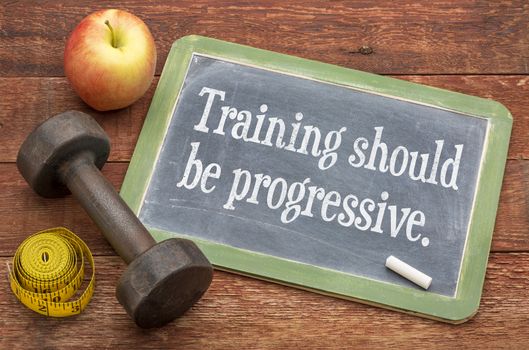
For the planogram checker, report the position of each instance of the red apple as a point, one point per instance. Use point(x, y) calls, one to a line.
point(110, 59)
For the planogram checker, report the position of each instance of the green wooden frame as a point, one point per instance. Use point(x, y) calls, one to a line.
point(474, 262)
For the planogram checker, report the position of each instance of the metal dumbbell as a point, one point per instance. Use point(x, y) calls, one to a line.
point(64, 154)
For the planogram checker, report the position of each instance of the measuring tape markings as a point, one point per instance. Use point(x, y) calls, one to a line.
point(48, 269)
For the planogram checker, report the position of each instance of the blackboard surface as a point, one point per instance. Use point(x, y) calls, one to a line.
point(310, 174)
point(312, 240)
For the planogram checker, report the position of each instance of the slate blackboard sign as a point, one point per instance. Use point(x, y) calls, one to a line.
point(312, 175)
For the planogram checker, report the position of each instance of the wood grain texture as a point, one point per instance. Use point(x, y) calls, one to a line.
point(27, 102)
point(23, 212)
point(244, 313)
point(407, 37)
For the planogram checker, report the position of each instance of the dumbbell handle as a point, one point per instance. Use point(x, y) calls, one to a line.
point(120, 226)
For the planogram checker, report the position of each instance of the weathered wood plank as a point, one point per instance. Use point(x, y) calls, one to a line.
point(26, 102)
point(23, 212)
point(464, 37)
point(246, 313)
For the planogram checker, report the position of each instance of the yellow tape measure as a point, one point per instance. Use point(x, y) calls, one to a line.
point(48, 269)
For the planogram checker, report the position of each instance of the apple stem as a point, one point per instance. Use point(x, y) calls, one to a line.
point(111, 32)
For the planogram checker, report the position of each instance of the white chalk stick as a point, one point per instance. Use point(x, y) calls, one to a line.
point(408, 272)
